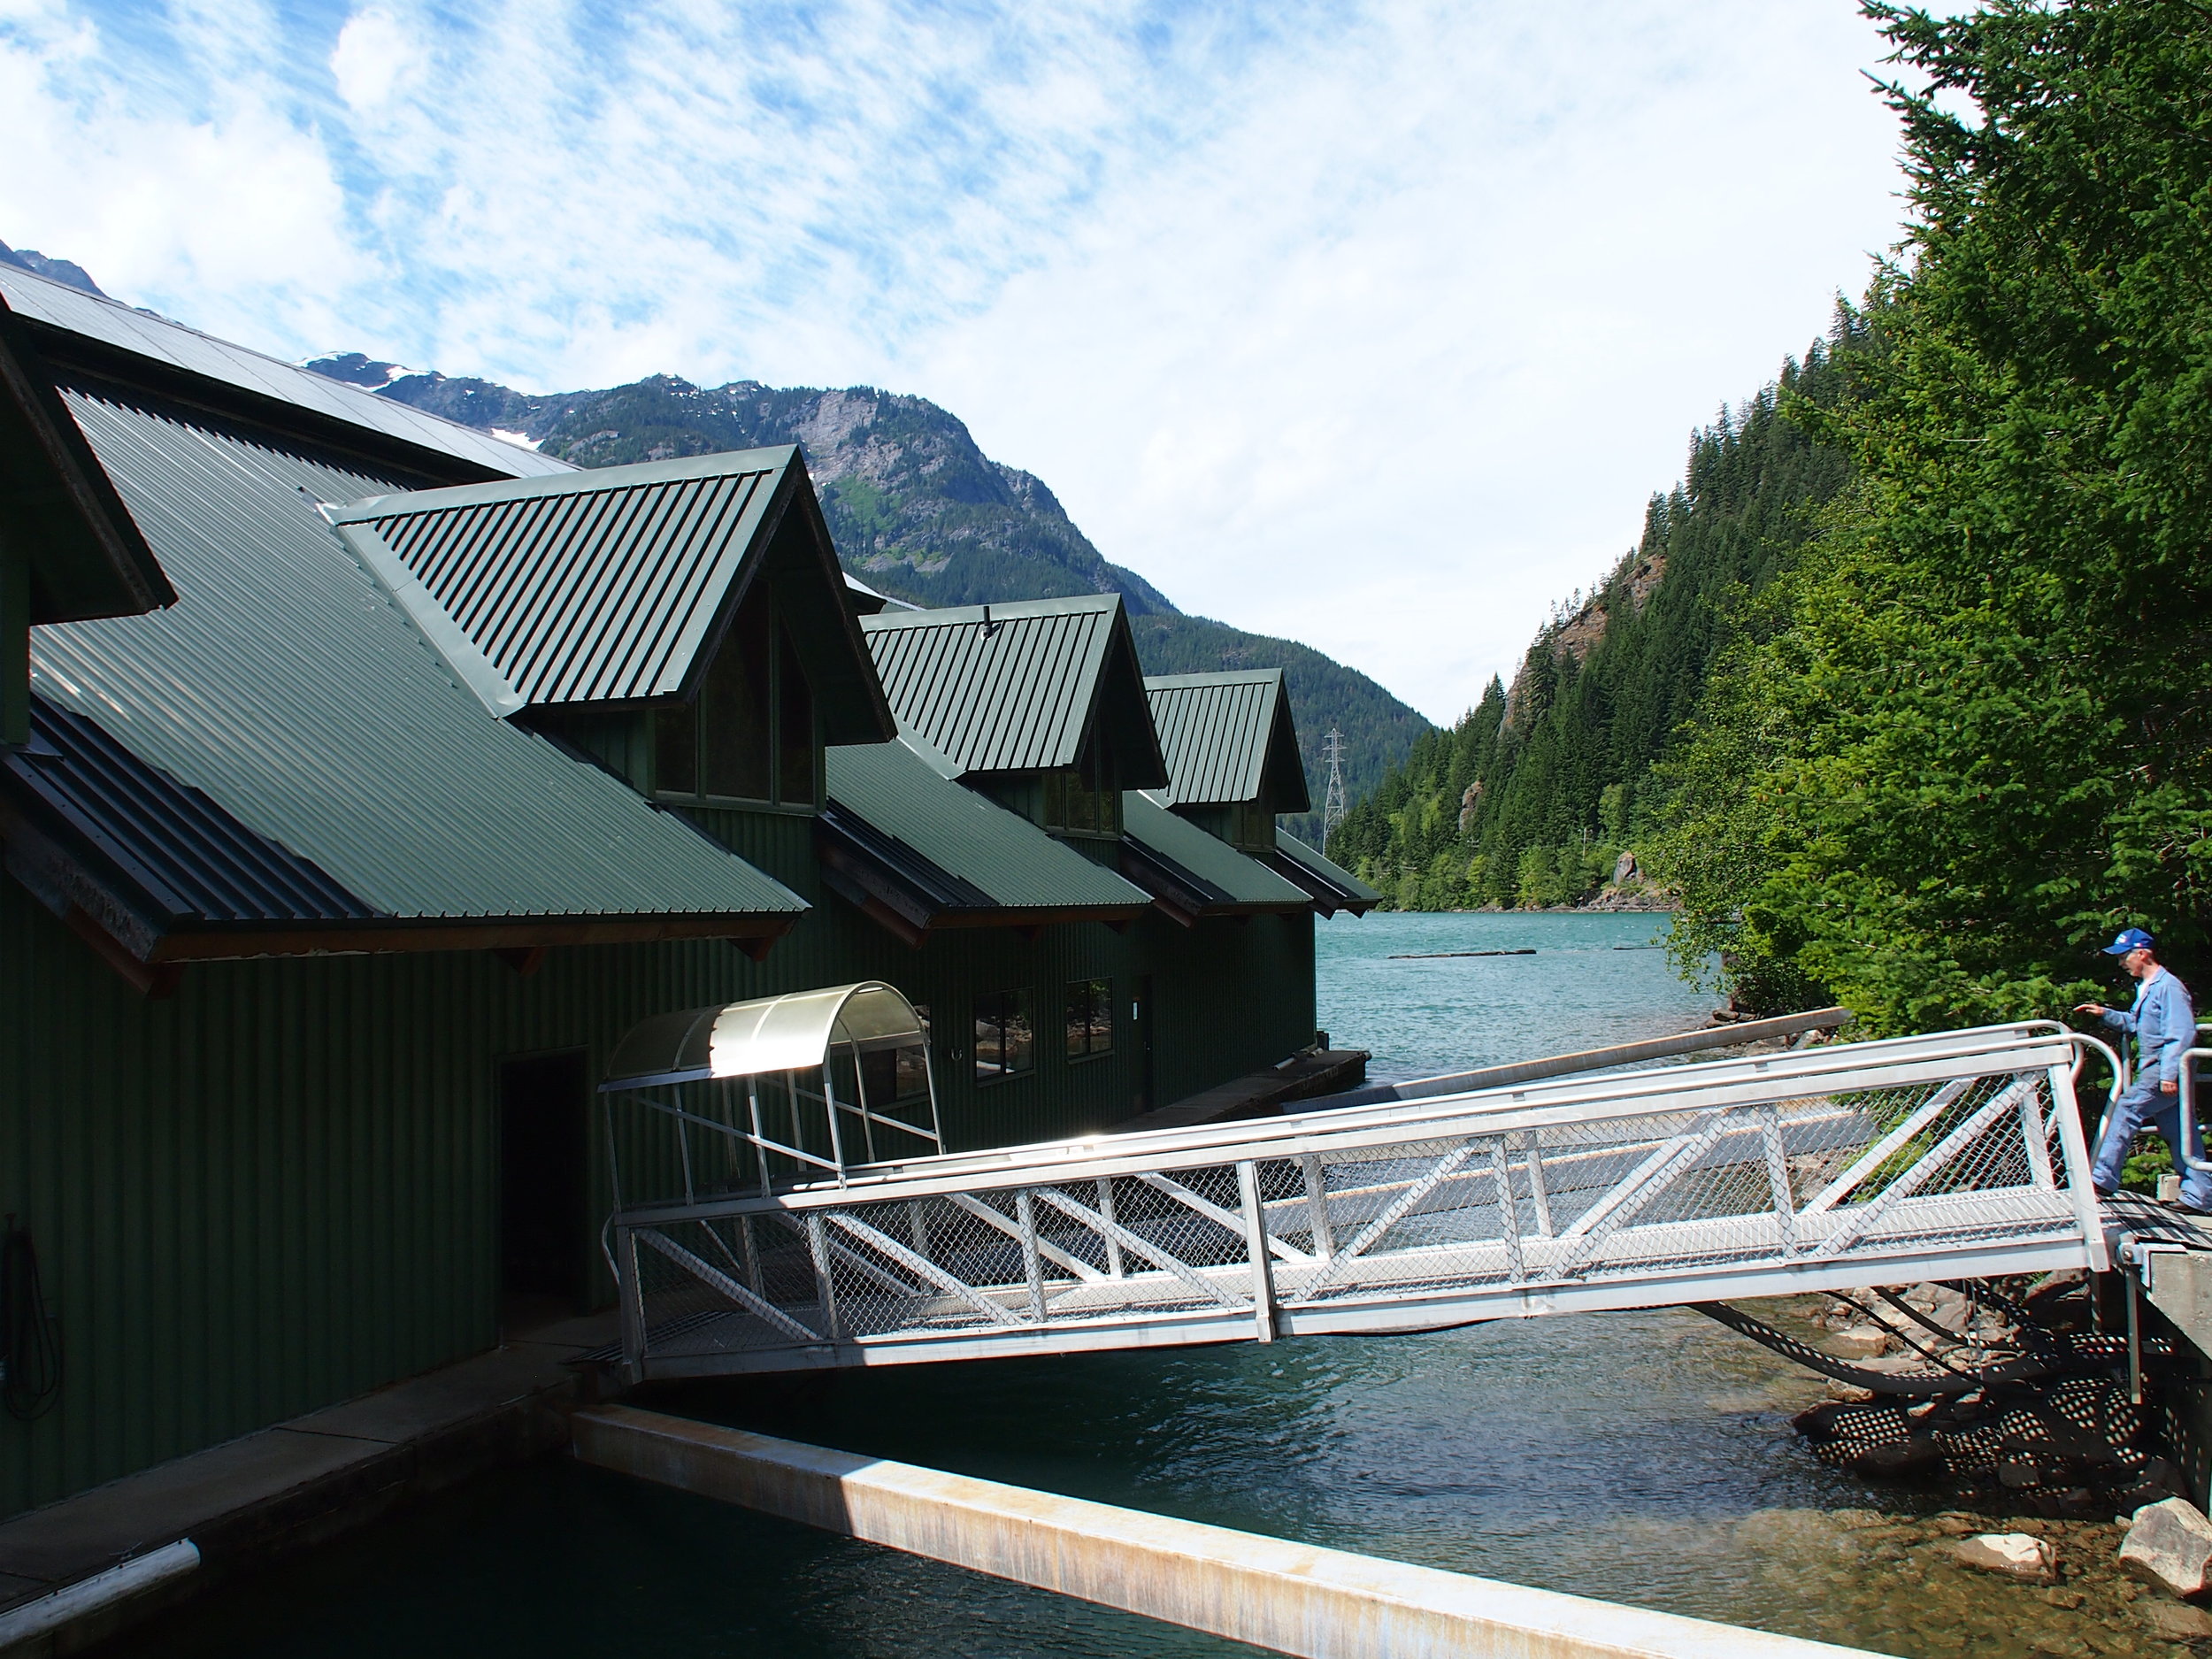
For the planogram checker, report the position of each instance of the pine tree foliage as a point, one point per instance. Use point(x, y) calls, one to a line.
point(1530, 800)
point(1975, 733)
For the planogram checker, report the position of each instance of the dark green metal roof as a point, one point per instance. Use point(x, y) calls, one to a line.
point(1333, 888)
point(156, 340)
point(1228, 738)
point(289, 690)
point(1203, 865)
point(1019, 687)
point(985, 850)
point(180, 858)
point(613, 585)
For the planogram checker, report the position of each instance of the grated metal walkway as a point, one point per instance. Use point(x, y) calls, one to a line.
point(1952, 1155)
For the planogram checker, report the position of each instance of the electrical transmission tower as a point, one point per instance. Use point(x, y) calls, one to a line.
point(1333, 802)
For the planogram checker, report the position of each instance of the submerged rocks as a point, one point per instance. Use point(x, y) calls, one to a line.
point(2176, 1621)
point(2014, 1555)
point(2169, 1546)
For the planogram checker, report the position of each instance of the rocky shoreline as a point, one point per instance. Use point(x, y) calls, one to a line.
point(1925, 1585)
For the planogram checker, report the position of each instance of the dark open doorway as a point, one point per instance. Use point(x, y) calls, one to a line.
point(542, 1104)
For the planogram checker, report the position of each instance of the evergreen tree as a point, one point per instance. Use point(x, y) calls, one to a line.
point(1532, 797)
point(1973, 732)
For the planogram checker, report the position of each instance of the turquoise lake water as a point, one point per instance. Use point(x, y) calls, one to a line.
point(1640, 1457)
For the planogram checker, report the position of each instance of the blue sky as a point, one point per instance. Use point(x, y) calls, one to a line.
point(1373, 325)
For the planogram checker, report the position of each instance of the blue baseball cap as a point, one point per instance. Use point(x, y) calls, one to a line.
point(2131, 938)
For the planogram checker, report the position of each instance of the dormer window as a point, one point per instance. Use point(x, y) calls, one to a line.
point(750, 734)
point(1084, 800)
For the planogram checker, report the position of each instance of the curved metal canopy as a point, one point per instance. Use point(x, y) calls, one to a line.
point(770, 1033)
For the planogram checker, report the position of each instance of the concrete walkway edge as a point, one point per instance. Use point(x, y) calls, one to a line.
point(1295, 1598)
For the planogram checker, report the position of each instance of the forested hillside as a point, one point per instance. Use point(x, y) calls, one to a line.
point(1939, 610)
point(917, 512)
point(1531, 799)
point(1972, 730)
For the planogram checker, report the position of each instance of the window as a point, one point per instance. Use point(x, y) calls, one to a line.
point(676, 750)
point(1255, 826)
point(1084, 800)
point(750, 735)
point(1005, 1043)
point(892, 1075)
point(794, 727)
point(1090, 1006)
point(733, 708)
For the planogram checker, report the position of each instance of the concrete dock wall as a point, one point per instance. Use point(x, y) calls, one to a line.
point(1294, 1598)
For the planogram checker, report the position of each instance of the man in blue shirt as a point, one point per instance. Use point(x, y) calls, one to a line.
point(2164, 1022)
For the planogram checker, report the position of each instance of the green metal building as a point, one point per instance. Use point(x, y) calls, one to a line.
point(364, 778)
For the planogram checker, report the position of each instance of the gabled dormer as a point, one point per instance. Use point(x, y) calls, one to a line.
point(69, 550)
point(683, 622)
point(1232, 753)
point(1040, 705)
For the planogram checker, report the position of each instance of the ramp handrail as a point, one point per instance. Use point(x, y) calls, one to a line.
point(1955, 1154)
point(1837, 1068)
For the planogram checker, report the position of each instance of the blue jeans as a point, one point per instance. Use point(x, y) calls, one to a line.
point(2144, 1107)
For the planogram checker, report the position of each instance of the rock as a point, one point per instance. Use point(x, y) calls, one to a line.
point(1625, 868)
point(2168, 1546)
point(1899, 1460)
point(1952, 1525)
point(2177, 1621)
point(1859, 1341)
point(2014, 1554)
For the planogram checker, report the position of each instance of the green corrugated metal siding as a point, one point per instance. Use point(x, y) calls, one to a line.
point(307, 706)
point(1233, 995)
point(1245, 881)
point(60, 306)
point(277, 1189)
point(956, 829)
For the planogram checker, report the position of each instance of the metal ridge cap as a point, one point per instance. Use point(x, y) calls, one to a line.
point(725, 462)
point(1225, 677)
point(1011, 610)
point(103, 346)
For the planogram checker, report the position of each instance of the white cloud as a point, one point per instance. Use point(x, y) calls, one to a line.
point(1370, 325)
point(374, 55)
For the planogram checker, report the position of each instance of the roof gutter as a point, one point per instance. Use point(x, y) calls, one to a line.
point(1185, 897)
point(150, 951)
point(897, 900)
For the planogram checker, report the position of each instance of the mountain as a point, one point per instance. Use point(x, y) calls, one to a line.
point(1533, 797)
point(917, 512)
point(55, 270)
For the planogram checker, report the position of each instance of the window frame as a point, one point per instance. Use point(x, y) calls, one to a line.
point(1021, 1006)
point(783, 655)
point(1099, 994)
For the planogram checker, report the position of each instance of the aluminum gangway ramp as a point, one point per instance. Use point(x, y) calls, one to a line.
point(1957, 1155)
